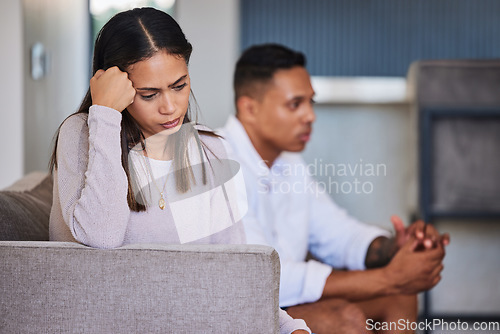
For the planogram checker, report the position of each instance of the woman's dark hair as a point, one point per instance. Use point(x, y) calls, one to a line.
point(258, 63)
point(127, 38)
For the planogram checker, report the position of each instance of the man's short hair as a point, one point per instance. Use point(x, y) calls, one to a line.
point(257, 65)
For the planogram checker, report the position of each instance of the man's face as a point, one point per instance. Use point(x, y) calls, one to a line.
point(285, 112)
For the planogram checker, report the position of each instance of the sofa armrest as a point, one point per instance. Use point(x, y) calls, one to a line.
point(70, 288)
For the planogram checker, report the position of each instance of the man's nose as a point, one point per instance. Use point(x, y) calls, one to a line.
point(309, 116)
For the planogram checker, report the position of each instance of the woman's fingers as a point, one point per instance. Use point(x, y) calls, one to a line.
point(98, 73)
point(112, 88)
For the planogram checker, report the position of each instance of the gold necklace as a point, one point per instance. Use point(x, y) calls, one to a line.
point(161, 201)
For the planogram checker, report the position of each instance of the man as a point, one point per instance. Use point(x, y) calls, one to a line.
point(335, 293)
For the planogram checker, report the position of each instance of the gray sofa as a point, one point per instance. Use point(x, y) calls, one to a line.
point(57, 287)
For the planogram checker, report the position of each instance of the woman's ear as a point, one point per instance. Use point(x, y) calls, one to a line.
point(246, 109)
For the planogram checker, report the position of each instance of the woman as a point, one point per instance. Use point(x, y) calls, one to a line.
point(129, 166)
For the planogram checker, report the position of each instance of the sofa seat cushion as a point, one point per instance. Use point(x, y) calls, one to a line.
point(25, 208)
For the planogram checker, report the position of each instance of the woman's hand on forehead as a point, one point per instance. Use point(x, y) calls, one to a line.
point(112, 88)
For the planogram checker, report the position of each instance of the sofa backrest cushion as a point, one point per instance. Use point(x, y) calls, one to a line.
point(25, 208)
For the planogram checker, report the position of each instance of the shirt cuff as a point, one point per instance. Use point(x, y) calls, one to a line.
point(315, 280)
point(313, 284)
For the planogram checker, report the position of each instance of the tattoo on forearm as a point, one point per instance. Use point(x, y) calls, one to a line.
point(380, 252)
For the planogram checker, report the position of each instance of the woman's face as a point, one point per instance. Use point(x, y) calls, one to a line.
point(162, 93)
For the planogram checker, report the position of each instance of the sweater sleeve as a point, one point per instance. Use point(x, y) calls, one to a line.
point(92, 184)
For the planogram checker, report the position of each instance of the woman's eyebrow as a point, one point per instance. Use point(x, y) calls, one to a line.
point(178, 80)
point(171, 85)
point(148, 89)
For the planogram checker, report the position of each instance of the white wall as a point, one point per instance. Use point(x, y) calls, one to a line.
point(63, 28)
point(360, 137)
point(212, 27)
point(32, 110)
point(11, 92)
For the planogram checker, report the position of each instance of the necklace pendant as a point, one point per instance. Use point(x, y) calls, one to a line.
point(161, 202)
